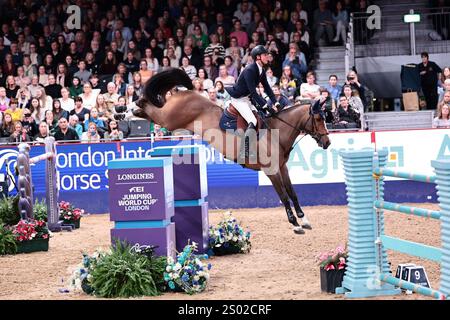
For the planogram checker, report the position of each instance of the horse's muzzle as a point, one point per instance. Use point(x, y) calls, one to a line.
point(325, 142)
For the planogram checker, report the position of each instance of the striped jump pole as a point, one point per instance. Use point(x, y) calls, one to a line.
point(391, 206)
point(404, 175)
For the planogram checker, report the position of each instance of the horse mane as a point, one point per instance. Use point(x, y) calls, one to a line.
point(157, 86)
point(294, 106)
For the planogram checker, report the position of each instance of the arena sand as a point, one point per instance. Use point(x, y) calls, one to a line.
point(281, 265)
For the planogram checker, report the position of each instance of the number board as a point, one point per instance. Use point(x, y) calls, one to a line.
point(417, 275)
point(401, 268)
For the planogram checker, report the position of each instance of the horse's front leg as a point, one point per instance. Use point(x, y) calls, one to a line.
point(277, 183)
point(293, 195)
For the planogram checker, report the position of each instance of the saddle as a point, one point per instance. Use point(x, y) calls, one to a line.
point(232, 119)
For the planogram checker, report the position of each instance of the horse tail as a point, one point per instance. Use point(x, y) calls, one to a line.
point(158, 85)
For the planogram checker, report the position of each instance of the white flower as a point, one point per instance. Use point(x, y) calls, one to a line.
point(168, 268)
point(177, 266)
point(196, 278)
point(235, 238)
point(170, 260)
point(78, 284)
point(175, 276)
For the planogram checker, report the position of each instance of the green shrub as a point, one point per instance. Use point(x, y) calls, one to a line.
point(125, 273)
point(9, 210)
point(40, 210)
point(7, 241)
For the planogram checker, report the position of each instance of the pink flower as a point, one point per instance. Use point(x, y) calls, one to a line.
point(330, 267)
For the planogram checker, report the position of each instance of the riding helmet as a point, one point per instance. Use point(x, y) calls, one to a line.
point(258, 50)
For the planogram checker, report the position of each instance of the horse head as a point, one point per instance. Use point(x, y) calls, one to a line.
point(316, 127)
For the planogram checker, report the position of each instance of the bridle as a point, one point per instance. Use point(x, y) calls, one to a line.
point(314, 134)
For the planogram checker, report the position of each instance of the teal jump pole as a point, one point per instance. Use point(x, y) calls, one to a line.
point(405, 175)
point(412, 286)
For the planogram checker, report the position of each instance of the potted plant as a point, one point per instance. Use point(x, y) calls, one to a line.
point(123, 271)
point(188, 273)
point(228, 237)
point(69, 214)
point(332, 268)
point(31, 236)
point(7, 240)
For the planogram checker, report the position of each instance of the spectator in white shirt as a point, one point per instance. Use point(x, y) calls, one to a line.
point(89, 96)
point(224, 77)
point(188, 68)
point(67, 102)
point(309, 90)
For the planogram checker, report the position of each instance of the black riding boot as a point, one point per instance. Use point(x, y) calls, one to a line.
point(248, 145)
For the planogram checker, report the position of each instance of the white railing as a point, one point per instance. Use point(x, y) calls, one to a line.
point(349, 47)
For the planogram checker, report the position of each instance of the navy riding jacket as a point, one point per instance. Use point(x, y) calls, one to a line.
point(246, 85)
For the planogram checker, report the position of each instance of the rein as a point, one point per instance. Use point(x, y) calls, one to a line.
point(316, 136)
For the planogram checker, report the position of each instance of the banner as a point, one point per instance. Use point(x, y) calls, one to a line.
point(83, 175)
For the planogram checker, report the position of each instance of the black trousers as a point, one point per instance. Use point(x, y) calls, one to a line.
point(431, 97)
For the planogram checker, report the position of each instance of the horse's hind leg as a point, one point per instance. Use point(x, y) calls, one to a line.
point(277, 183)
point(293, 195)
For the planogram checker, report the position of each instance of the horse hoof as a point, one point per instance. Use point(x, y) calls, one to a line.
point(299, 230)
point(307, 226)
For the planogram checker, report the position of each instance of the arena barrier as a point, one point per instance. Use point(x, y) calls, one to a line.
point(161, 201)
point(368, 272)
point(25, 183)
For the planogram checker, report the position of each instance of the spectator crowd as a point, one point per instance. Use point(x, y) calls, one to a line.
point(83, 83)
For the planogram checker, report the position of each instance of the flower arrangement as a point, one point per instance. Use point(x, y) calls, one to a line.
point(188, 273)
point(229, 237)
point(123, 271)
point(80, 280)
point(333, 260)
point(31, 230)
point(68, 212)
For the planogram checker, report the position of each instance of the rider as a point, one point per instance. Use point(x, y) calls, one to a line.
point(244, 91)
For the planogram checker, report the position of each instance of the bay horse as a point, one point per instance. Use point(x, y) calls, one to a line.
point(191, 111)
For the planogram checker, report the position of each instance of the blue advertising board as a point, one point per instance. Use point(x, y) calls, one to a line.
point(317, 174)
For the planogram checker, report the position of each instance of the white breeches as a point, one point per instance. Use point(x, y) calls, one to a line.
point(244, 107)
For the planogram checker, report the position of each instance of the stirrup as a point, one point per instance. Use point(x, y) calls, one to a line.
point(249, 152)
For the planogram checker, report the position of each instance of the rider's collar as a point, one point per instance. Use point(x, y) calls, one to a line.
point(260, 68)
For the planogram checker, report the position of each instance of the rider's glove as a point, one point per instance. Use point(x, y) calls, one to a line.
point(267, 111)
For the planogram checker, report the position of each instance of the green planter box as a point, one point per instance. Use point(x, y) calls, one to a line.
point(32, 246)
point(331, 279)
point(75, 223)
